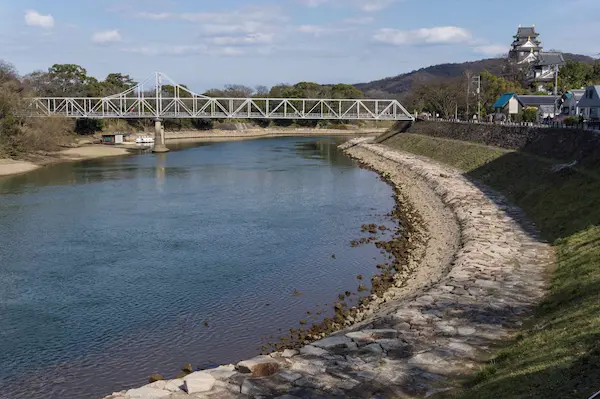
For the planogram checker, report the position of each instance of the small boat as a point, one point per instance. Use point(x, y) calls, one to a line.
point(144, 140)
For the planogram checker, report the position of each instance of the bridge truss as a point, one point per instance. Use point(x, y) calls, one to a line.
point(154, 99)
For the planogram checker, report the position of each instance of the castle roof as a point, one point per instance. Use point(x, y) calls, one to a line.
point(525, 32)
point(550, 59)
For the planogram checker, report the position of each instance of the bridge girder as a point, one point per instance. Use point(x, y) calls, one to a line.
point(185, 104)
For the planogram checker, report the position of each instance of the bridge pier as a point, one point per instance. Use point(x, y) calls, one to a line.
point(159, 137)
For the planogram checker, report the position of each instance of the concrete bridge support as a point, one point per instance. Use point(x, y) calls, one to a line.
point(159, 137)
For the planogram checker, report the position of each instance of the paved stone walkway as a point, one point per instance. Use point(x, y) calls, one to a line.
point(415, 345)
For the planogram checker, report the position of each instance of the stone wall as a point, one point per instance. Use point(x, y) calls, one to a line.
point(563, 144)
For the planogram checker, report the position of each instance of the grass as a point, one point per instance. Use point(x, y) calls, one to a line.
point(557, 353)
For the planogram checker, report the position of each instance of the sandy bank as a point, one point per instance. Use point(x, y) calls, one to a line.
point(466, 290)
point(91, 152)
point(14, 167)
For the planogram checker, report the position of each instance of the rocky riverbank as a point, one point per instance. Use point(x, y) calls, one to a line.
point(478, 274)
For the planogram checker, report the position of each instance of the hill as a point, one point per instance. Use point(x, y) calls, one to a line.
point(403, 83)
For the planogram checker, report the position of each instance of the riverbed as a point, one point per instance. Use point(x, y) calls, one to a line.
point(114, 269)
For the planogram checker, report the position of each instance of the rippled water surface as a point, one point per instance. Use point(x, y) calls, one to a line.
point(114, 269)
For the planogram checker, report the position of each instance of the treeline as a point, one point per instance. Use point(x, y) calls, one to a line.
point(19, 135)
point(458, 97)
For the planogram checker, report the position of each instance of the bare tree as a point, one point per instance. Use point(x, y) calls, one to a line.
point(238, 91)
point(8, 72)
point(261, 91)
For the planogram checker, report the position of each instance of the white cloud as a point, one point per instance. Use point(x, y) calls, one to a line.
point(375, 5)
point(364, 5)
point(105, 37)
point(265, 14)
point(317, 30)
point(436, 35)
point(491, 49)
point(185, 50)
point(154, 16)
point(248, 27)
point(34, 18)
point(251, 39)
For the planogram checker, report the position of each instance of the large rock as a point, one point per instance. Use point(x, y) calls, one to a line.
point(147, 393)
point(222, 373)
point(253, 388)
point(248, 366)
point(199, 382)
point(289, 353)
point(313, 351)
point(336, 342)
point(177, 385)
point(313, 367)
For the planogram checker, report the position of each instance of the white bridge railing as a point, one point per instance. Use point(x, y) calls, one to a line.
point(179, 102)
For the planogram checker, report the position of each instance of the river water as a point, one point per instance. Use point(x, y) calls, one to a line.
point(114, 269)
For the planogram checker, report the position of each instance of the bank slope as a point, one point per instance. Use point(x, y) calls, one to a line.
point(557, 354)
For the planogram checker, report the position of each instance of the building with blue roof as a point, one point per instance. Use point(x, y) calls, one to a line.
point(509, 105)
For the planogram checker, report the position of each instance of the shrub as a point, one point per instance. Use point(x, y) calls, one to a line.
point(529, 115)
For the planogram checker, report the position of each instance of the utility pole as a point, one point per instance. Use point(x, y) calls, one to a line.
point(555, 90)
point(469, 80)
point(477, 82)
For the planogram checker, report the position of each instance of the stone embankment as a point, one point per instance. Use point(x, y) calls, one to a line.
point(481, 273)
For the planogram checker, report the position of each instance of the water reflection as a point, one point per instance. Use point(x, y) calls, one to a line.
point(110, 267)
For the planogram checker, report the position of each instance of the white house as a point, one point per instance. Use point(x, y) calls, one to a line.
point(590, 103)
point(508, 105)
point(569, 103)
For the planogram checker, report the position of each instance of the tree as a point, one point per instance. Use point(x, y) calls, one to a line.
point(238, 91)
point(8, 72)
point(345, 91)
point(261, 91)
point(119, 80)
point(279, 91)
point(492, 87)
point(61, 80)
point(169, 91)
point(575, 75)
point(439, 97)
point(529, 115)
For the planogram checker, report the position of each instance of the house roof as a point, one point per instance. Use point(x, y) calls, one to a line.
point(590, 102)
point(551, 59)
point(503, 100)
point(546, 109)
point(577, 94)
point(536, 101)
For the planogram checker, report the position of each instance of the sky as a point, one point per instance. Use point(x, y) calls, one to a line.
point(210, 43)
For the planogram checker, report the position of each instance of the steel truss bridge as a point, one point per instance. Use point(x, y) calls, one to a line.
point(154, 99)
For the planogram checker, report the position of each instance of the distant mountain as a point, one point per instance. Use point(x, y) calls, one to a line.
point(403, 83)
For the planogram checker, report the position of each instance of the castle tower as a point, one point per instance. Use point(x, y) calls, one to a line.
point(526, 47)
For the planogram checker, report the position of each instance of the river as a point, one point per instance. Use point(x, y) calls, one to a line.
point(114, 269)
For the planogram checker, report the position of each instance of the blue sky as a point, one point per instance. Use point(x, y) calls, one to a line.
point(209, 44)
